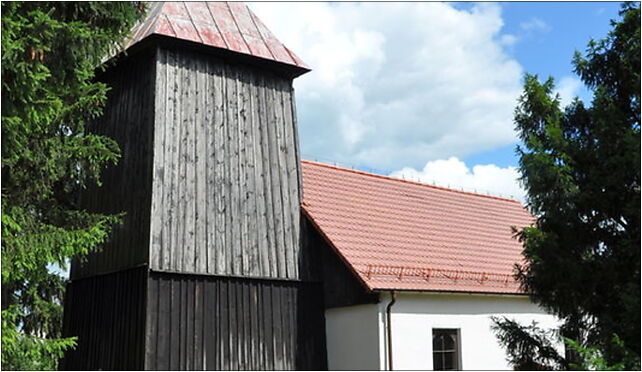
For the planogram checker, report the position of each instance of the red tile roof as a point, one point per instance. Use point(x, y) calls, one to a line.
point(404, 235)
point(224, 25)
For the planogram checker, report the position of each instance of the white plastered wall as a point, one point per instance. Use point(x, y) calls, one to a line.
point(415, 315)
point(356, 335)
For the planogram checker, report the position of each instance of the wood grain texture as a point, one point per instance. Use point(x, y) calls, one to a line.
point(232, 204)
point(233, 323)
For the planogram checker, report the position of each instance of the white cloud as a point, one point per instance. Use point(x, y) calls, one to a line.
point(396, 84)
point(535, 25)
point(568, 88)
point(508, 39)
point(453, 173)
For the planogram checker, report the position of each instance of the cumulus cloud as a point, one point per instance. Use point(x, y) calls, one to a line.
point(453, 173)
point(568, 88)
point(397, 84)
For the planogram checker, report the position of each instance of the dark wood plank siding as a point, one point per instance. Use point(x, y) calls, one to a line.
point(221, 323)
point(226, 172)
point(341, 287)
point(128, 119)
point(107, 314)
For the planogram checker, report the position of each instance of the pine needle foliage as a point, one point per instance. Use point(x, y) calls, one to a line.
point(50, 53)
point(580, 166)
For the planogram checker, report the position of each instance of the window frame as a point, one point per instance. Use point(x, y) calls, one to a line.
point(456, 332)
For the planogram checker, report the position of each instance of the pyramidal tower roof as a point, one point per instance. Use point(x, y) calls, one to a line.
point(225, 25)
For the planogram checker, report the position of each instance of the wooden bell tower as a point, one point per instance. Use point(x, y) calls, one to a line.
point(208, 269)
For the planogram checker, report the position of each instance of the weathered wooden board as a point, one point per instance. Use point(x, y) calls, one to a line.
point(221, 323)
point(232, 204)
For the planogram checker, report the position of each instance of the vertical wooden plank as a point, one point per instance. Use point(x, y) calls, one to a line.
point(189, 201)
point(151, 333)
point(292, 165)
point(201, 158)
point(221, 170)
point(210, 167)
point(292, 307)
point(234, 243)
point(270, 234)
point(244, 249)
point(123, 315)
point(247, 336)
point(297, 145)
point(165, 111)
point(275, 184)
point(260, 334)
point(233, 303)
point(211, 316)
point(239, 329)
point(189, 312)
point(158, 162)
point(260, 213)
point(283, 181)
point(252, 250)
point(174, 115)
point(179, 186)
point(199, 326)
point(255, 337)
point(226, 334)
point(129, 113)
point(146, 152)
point(163, 342)
point(174, 324)
point(241, 325)
point(278, 325)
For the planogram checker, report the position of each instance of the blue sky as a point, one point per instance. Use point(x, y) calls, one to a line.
point(549, 53)
point(426, 91)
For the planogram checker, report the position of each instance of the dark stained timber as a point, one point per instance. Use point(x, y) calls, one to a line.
point(107, 314)
point(246, 324)
point(128, 118)
point(213, 267)
point(340, 286)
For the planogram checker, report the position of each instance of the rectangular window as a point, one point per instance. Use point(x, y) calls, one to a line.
point(445, 349)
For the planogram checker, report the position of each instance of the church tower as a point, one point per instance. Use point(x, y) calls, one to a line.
point(208, 269)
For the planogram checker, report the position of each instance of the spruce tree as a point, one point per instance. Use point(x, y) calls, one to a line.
point(51, 52)
point(580, 166)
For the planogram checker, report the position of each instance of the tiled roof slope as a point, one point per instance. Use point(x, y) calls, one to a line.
point(401, 235)
point(225, 25)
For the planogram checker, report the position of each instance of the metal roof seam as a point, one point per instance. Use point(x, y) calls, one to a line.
point(170, 25)
point(239, 29)
point(193, 23)
point(267, 46)
point(218, 29)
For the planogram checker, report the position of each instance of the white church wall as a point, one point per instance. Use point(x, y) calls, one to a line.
point(415, 315)
point(356, 335)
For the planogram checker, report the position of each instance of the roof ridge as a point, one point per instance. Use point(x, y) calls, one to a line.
point(408, 182)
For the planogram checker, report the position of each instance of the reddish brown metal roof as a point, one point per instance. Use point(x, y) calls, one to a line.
point(402, 235)
point(225, 25)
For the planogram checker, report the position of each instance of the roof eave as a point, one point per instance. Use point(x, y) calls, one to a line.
point(280, 68)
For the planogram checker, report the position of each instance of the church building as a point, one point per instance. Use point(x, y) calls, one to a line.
point(236, 254)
